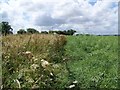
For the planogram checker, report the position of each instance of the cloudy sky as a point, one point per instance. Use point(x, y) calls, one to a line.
point(85, 16)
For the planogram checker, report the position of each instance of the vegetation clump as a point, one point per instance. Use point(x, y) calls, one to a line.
point(32, 61)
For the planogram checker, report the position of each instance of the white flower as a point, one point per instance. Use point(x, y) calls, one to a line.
point(27, 52)
point(34, 58)
point(71, 86)
point(44, 63)
point(34, 66)
point(75, 82)
point(51, 74)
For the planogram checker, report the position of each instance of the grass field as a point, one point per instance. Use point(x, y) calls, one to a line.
point(93, 60)
point(74, 61)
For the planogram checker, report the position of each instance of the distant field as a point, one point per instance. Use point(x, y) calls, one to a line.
point(75, 61)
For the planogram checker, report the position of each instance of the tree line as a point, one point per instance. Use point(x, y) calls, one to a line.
point(6, 29)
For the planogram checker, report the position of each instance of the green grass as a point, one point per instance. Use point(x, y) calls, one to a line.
point(93, 60)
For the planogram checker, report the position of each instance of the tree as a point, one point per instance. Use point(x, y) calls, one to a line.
point(21, 31)
point(5, 28)
point(70, 32)
point(32, 30)
point(52, 32)
point(65, 32)
point(0, 28)
point(44, 32)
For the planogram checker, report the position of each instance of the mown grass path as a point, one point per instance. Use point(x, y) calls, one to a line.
point(93, 60)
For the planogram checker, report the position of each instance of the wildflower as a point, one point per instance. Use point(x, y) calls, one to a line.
point(44, 63)
point(34, 66)
point(35, 59)
point(51, 74)
point(75, 82)
point(71, 86)
point(28, 54)
point(64, 59)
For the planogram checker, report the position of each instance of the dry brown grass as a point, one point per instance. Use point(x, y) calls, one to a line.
point(38, 44)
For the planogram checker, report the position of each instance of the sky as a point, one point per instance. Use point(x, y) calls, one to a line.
point(84, 16)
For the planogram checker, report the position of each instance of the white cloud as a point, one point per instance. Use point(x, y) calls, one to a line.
point(102, 17)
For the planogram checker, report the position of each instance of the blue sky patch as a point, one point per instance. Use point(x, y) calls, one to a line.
point(92, 2)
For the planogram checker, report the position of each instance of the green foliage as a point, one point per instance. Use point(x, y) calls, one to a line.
point(5, 28)
point(0, 27)
point(44, 32)
point(32, 30)
point(21, 31)
point(68, 32)
point(51, 31)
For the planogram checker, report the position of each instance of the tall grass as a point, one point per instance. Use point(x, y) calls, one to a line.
point(22, 55)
